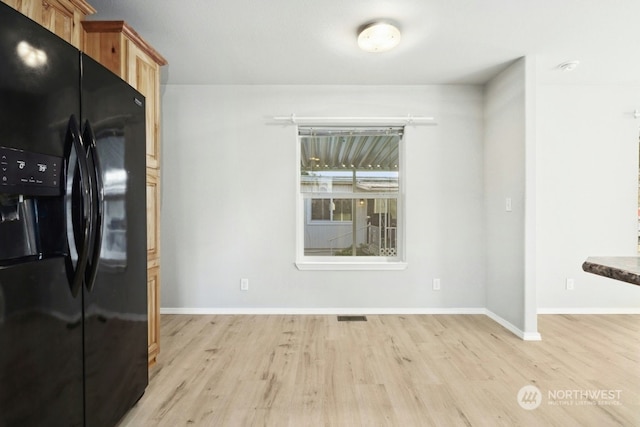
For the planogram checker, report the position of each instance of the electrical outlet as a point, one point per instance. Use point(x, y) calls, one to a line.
point(436, 284)
point(570, 283)
point(507, 204)
point(244, 284)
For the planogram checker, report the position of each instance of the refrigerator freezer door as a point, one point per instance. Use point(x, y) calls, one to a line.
point(116, 303)
point(40, 320)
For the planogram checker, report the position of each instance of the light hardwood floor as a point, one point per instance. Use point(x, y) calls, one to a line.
point(414, 370)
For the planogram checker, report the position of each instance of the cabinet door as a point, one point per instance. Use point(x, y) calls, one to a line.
point(153, 262)
point(123, 51)
point(29, 8)
point(61, 17)
point(153, 217)
point(153, 302)
point(60, 20)
point(144, 75)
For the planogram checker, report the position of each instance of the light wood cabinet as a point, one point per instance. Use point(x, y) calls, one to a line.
point(153, 262)
point(153, 217)
point(62, 17)
point(153, 300)
point(118, 47)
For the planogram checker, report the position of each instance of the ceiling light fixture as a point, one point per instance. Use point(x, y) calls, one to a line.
point(378, 37)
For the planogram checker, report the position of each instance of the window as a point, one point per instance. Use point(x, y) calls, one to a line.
point(350, 196)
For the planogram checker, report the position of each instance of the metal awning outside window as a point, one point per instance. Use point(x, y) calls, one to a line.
point(359, 148)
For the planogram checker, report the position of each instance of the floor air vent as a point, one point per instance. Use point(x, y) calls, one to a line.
point(352, 318)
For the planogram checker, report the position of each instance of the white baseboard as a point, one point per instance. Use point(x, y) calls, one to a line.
point(589, 310)
point(372, 311)
point(319, 311)
point(525, 336)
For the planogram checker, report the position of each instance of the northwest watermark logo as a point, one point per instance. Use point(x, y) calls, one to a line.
point(593, 397)
point(530, 397)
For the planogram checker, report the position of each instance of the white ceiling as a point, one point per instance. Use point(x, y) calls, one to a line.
point(443, 41)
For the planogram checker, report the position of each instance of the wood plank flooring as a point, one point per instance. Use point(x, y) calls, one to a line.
point(414, 370)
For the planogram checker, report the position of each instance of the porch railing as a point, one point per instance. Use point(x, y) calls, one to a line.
point(380, 241)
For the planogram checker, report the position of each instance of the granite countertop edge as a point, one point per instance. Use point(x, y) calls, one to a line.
point(625, 269)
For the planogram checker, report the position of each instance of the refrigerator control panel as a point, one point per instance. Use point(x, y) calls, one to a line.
point(32, 174)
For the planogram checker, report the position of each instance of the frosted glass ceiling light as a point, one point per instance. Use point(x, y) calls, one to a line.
point(378, 37)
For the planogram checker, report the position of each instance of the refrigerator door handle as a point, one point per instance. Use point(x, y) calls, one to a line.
point(98, 208)
point(78, 207)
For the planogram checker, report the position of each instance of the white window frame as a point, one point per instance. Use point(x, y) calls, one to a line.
point(363, 263)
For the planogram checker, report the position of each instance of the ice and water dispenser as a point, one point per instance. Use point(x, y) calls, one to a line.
point(32, 206)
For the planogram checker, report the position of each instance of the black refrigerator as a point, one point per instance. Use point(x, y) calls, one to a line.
point(73, 299)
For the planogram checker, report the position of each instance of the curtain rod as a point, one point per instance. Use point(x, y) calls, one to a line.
point(407, 120)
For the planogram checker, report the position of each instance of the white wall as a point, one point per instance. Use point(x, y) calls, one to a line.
point(587, 189)
point(229, 197)
point(504, 170)
point(228, 207)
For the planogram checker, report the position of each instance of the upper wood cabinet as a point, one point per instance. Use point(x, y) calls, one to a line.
point(62, 17)
point(118, 47)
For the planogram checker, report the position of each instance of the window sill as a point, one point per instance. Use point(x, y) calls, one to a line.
point(346, 266)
